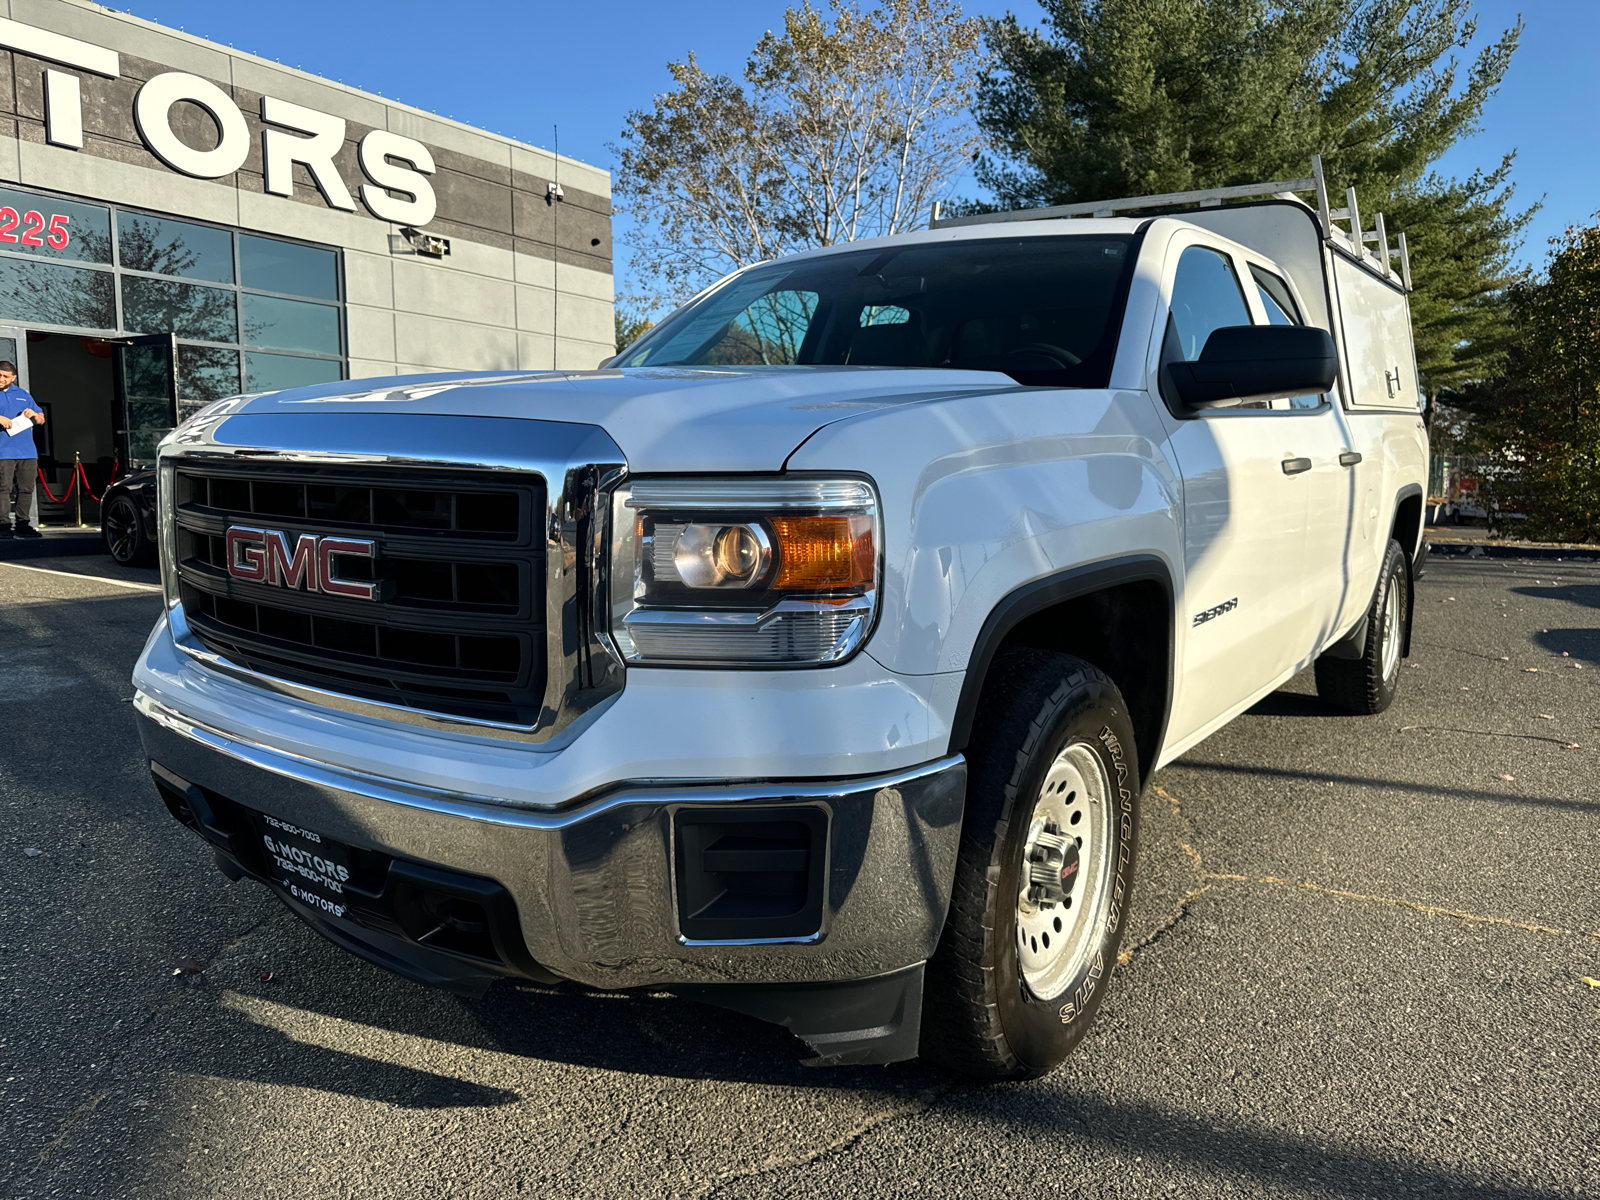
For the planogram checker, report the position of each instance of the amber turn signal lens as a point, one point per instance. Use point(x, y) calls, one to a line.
point(824, 553)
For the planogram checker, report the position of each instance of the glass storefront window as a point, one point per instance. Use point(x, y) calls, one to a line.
point(186, 309)
point(45, 227)
point(269, 372)
point(47, 294)
point(290, 325)
point(174, 248)
point(175, 277)
point(205, 373)
point(272, 266)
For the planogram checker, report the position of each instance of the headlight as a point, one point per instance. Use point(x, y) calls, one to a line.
point(743, 572)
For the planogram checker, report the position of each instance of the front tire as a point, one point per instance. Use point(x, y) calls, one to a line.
point(1045, 871)
point(122, 532)
point(1367, 685)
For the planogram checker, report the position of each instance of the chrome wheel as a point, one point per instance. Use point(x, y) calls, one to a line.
point(1065, 863)
point(1391, 627)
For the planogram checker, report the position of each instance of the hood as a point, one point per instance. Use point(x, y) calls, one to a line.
point(662, 418)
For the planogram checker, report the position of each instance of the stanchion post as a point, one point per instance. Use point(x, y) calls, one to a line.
point(77, 469)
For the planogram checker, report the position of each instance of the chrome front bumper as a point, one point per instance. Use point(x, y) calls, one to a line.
point(593, 884)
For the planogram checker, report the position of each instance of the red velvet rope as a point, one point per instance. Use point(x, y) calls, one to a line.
point(72, 481)
point(78, 472)
point(85, 475)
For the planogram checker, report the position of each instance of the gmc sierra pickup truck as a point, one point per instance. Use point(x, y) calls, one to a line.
point(810, 657)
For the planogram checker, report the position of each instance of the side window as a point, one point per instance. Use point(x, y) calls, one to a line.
point(1281, 309)
point(1205, 296)
point(1275, 298)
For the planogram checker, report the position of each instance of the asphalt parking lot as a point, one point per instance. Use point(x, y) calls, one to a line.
point(1363, 964)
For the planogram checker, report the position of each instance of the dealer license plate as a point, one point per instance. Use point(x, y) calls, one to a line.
point(312, 868)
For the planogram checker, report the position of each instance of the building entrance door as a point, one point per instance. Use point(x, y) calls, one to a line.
point(146, 404)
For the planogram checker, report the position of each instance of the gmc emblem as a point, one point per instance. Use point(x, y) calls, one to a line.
point(265, 556)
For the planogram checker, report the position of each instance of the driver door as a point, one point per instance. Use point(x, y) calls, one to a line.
point(1245, 504)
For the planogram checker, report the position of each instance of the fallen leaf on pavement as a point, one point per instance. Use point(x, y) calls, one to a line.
point(1531, 670)
point(1572, 746)
point(1590, 982)
point(1546, 717)
point(1508, 778)
point(33, 851)
point(1505, 658)
point(188, 966)
point(266, 977)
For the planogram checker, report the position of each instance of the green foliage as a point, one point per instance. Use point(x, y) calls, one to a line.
point(1461, 234)
point(631, 326)
point(1134, 97)
point(1541, 414)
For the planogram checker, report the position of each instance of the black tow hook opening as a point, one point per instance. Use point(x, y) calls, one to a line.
point(752, 874)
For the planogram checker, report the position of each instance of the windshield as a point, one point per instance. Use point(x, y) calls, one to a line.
point(1044, 310)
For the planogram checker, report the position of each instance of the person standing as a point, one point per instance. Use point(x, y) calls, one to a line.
point(19, 460)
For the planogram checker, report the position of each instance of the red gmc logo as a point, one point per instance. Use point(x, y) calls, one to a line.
point(266, 556)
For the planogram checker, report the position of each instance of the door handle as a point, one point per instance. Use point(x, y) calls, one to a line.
point(1349, 458)
point(1293, 466)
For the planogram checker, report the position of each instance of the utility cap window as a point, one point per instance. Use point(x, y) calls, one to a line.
point(1043, 310)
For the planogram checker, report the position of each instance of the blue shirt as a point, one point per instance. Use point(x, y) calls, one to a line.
point(12, 401)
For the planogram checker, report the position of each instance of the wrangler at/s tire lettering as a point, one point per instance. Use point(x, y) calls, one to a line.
point(1045, 871)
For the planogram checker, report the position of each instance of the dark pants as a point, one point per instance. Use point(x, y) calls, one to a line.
point(22, 472)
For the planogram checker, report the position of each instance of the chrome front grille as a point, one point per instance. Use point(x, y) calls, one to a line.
point(458, 620)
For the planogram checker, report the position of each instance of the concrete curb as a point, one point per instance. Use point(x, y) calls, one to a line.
point(52, 545)
point(1490, 550)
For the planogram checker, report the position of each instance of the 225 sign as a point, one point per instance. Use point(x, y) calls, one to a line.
point(33, 224)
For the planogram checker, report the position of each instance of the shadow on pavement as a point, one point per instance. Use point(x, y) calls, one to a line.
point(1293, 704)
point(242, 1049)
point(1282, 1162)
point(1398, 785)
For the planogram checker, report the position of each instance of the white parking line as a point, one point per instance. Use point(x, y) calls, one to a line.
point(122, 583)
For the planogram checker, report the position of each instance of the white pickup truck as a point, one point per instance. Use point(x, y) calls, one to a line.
point(810, 658)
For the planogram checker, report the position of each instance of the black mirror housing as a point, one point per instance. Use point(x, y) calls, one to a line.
point(1256, 362)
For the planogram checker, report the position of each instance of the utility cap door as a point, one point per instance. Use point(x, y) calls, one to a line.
point(1375, 321)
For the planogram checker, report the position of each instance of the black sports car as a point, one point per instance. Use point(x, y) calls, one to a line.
point(128, 519)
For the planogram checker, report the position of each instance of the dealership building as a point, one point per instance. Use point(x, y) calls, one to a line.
point(180, 221)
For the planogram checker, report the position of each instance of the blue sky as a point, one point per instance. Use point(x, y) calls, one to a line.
point(520, 68)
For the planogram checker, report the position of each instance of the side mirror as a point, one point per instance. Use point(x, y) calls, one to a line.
point(1256, 362)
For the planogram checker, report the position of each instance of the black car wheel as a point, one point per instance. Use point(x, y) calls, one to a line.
point(123, 533)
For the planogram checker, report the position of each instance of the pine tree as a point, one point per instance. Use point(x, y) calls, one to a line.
point(1131, 97)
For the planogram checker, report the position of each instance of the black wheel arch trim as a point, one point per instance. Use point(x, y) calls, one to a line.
point(1046, 592)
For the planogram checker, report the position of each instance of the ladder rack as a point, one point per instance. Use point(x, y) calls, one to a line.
point(1352, 241)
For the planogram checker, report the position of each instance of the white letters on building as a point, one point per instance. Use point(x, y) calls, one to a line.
point(280, 151)
point(152, 113)
point(63, 108)
point(375, 151)
point(392, 163)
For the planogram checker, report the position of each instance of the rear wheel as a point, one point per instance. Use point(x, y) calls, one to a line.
point(1045, 871)
point(123, 532)
point(1367, 685)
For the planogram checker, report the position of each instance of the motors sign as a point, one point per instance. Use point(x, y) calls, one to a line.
point(391, 163)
